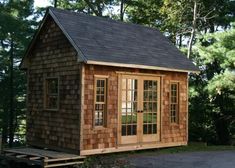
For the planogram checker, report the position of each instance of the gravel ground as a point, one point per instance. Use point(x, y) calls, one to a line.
point(212, 159)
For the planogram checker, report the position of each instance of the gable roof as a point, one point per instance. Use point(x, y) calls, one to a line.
point(108, 42)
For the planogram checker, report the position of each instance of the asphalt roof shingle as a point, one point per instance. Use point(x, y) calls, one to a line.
point(105, 40)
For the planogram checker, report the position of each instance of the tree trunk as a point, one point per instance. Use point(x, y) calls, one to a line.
point(222, 131)
point(194, 24)
point(5, 116)
point(122, 10)
point(5, 126)
point(180, 41)
point(55, 3)
point(11, 114)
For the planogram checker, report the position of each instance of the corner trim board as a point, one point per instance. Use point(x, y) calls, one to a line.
point(82, 90)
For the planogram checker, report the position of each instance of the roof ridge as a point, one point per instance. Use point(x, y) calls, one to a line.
point(105, 19)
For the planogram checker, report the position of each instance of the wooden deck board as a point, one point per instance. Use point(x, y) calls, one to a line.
point(40, 152)
point(44, 157)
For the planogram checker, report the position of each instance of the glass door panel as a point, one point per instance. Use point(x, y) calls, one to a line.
point(150, 110)
point(129, 110)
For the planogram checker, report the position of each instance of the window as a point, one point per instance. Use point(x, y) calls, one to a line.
point(174, 102)
point(100, 101)
point(52, 94)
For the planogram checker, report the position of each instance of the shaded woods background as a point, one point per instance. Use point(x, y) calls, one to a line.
point(203, 29)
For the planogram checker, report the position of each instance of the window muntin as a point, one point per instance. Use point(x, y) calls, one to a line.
point(174, 102)
point(100, 101)
point(52, 93)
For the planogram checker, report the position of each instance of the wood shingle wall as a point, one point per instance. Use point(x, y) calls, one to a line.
point(107, 137)
point(53, 56)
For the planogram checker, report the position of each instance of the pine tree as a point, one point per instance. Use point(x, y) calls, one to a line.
point(16, 30)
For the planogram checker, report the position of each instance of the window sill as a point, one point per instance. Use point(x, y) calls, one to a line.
point(99, 128)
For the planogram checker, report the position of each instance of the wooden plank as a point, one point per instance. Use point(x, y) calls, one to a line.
point(18, 152)
point(64, 159)
point(40, 153)
point(187, 107)
point(21, 156)
point(82, 94)
point(131, 148)
point(138, 66)
point(140, 95)
point(9, 154)
point(63, 164)
point(31, 157)
point(119, 110)
point(139, 74)
point(35, 158)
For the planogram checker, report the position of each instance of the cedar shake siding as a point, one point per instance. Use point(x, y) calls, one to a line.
point(107, 137)
point(53, 56)
point(94, 89)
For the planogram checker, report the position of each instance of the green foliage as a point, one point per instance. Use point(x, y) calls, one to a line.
point(214, 88)
point(16, 30)
point(177, 15)
point(145, 12)
point(96, 7)
point(222, 83)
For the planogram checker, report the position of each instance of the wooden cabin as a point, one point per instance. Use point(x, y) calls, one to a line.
point(95, 85)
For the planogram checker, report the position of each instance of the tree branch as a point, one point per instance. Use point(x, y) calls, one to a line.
point(92, 8)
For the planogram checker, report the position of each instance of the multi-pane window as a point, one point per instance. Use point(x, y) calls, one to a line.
point(52, 93)
point(100, 101)
point(174, 102)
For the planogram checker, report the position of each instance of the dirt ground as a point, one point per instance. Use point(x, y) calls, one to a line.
point(211, 159)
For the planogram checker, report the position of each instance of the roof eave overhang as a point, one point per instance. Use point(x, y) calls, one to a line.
point(139, 66)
